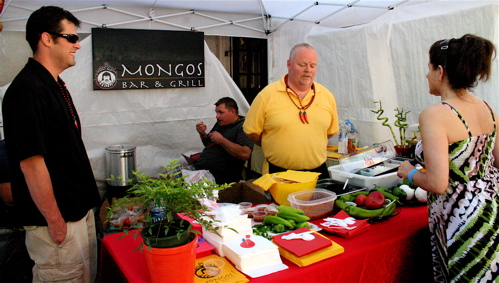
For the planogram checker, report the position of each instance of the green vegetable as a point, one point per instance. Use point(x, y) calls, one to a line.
point(367, 213)
point(351, 197)
point(293, 216)
point(388, 210)
point(263, 230)
point(289, 209)
point(279, 228)
point(302, 224)
point(272, 219)
point(358, 211)
point(292, 222)
point(398, 192)
point(387, 194)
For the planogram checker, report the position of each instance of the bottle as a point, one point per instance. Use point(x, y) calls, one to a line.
point(351, 141)
point(342, 139)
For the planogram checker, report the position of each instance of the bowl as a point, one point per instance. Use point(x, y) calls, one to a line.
point(244, 206)
point(315, 203)
point(259, 215)
point(281, 191)
point(213, 266)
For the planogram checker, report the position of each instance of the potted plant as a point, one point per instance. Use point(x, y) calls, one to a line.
point(402, 145)
point(168, 241)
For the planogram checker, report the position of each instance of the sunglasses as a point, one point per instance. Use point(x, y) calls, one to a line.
point(73, 38)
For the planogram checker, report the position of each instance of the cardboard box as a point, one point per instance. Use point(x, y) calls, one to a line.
point(244, 191)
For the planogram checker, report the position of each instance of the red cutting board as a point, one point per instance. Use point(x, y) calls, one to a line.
point(300, 247)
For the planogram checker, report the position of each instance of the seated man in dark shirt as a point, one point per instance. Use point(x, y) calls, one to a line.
point(226, 146)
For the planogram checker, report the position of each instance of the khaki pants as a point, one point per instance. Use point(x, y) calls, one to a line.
point(74, 260)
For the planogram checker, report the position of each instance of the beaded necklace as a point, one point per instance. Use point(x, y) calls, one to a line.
point(67, 98)
point(302, 109)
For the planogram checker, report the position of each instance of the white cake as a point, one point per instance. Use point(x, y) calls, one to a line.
point(251, 253)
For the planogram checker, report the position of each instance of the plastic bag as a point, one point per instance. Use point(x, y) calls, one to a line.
point(348, 137)
point(193, 176)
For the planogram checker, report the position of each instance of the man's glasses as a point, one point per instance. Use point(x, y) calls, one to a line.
point(73, 38)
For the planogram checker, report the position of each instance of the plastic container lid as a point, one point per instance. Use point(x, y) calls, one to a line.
point(315, 203)
point(311, 197)
point(367, 157)
point(120, 148)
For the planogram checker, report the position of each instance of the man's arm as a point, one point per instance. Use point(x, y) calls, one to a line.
point(40, 187)
point(201, 129)
point(234, 149)
point(257, 139)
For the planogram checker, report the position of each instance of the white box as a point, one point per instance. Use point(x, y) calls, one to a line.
point(260, 253)
point(386, 180)
point(218, 241)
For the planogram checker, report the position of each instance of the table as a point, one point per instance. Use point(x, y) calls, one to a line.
point(394, 250)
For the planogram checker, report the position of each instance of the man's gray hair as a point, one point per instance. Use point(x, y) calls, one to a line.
point(292, 53)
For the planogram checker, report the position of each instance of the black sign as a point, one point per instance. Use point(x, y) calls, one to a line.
point(147, 59)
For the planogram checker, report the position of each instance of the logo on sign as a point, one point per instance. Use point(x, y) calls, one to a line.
point(106, 77)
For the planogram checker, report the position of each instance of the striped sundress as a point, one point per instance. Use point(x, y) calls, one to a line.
point(464, 221)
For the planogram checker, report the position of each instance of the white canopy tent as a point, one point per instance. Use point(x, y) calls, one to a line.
point(369, 54)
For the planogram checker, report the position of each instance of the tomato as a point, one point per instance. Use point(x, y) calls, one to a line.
point(126, 223)
point(375, 200)
point(360, 200)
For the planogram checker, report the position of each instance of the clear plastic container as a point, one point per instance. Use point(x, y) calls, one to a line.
point(315, 203)
point(367, 157)
point(387, 180)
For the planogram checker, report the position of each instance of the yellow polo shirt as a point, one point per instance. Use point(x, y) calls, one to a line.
point(286, 141)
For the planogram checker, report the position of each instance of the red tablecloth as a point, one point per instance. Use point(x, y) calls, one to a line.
point(393, 250)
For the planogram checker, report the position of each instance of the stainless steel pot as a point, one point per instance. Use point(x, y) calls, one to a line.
point(120, 163)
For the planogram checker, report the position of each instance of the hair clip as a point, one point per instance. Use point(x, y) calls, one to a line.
point(445, 44)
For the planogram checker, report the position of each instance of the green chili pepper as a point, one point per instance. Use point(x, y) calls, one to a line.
point(358, 211)
point(351, 197)
point(387, 194)
point(292, 216)
point(279, 228)
point(272, 219)
point(302, 224)
point(289, 209)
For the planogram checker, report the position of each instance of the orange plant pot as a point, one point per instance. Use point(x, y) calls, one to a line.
point(172, 264)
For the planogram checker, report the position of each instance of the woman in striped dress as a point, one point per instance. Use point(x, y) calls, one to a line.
point(461, 161)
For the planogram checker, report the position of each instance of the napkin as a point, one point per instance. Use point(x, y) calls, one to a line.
point(300, 247)
point(299, 176)
point(345, 232)
point(265, 182)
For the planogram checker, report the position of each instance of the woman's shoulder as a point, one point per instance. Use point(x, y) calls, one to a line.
point(435, 110)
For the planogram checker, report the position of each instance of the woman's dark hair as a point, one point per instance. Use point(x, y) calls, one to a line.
point(466, 60)
point(229, 103)
point(47, 19)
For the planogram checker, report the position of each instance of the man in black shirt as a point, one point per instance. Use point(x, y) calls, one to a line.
point(52, 181)
point(227, 147)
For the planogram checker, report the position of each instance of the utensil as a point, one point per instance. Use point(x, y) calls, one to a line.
point(346, 183)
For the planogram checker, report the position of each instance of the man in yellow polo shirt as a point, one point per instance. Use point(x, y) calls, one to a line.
point(293, 118)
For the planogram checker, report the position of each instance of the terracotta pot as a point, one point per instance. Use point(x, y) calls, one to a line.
point(172, 264)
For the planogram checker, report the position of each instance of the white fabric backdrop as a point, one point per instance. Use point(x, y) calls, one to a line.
point(384, 60)
point(159, 122)
point(387, 59)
